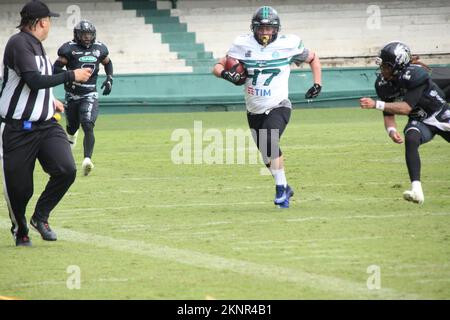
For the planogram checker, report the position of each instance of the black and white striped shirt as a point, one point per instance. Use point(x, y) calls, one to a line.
point(24, 53)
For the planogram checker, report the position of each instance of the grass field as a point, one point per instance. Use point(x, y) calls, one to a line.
point(141, 227)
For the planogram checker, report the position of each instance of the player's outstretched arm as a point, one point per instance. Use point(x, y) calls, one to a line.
point(401, 108)
point(316, 68)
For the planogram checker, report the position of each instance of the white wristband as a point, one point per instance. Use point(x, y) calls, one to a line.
point(379, 105)
point(390, 129)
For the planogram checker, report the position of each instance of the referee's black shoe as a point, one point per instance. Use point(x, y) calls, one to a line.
point(23, 241)
point(44, 229)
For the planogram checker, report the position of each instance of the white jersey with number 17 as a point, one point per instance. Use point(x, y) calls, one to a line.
point(268, 69)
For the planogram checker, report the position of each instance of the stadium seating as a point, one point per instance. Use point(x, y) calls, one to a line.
point(339, 31)
point(134, 47)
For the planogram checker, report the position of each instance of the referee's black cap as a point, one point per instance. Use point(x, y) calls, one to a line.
point(35, 10)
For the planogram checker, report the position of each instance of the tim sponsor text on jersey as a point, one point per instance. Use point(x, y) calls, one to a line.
point(259, 92)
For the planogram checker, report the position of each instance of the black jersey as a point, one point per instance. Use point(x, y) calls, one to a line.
point(441, 76)
point(81, 57)
point(414, 86)
point(24, 53)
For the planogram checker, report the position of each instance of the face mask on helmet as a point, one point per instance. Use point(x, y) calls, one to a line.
point(265, 25)
point(265, 34)
point(84, 33)
point(86, 39)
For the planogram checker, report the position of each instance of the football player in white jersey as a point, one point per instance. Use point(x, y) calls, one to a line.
point(267, 57)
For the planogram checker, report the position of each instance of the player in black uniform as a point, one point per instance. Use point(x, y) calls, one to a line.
point(406, 88)
point(82, 98)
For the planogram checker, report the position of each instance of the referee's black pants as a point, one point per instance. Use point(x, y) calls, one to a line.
point(19, 149)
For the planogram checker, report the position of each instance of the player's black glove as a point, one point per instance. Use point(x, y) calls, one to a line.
point(107, 84)
point(313, 91)
point(232, 76)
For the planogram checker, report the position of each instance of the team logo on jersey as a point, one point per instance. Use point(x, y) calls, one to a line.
point(96, 53)
point(275, 54)
point(248, 53)
point(407, 75)
point(436, 95)
point(87, 59)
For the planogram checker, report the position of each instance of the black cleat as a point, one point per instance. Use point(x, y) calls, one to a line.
point(43, 228)
point(23, 241)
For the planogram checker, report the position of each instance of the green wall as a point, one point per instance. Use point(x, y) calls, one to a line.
point(167, 92)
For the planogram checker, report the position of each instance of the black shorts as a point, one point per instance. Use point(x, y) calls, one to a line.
point(267, 130)
point(84, 110)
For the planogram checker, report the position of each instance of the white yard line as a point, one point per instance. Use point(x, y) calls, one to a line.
point(369, 216)
point(63, 283)
point(215, 204)
point(346, 288)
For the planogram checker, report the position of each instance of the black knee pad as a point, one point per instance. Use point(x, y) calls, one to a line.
point(413, 137)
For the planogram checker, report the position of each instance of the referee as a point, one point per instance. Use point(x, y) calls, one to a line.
point(28, 130)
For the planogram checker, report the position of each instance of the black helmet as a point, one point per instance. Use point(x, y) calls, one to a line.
point(395, 54)
point(265, 16)
point(84, 27)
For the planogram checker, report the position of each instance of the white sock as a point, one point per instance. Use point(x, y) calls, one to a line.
point(279, 176)
point(416, 185)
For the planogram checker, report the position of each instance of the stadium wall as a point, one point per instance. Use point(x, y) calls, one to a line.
point(187, 92)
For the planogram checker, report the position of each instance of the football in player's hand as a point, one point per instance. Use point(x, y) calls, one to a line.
point(234, 66)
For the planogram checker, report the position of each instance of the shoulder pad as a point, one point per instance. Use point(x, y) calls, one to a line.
point(65, 50)
point(291, 41)
point(413, 76)
point(241, 45)
point(103, 48)
point(243, 40)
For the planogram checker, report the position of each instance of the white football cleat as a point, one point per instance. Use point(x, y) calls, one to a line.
point(73, 139)
point(87, 166)
point(415, 196)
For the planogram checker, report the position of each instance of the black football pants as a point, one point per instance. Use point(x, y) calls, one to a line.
point(83, 111)
point(19, 149)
